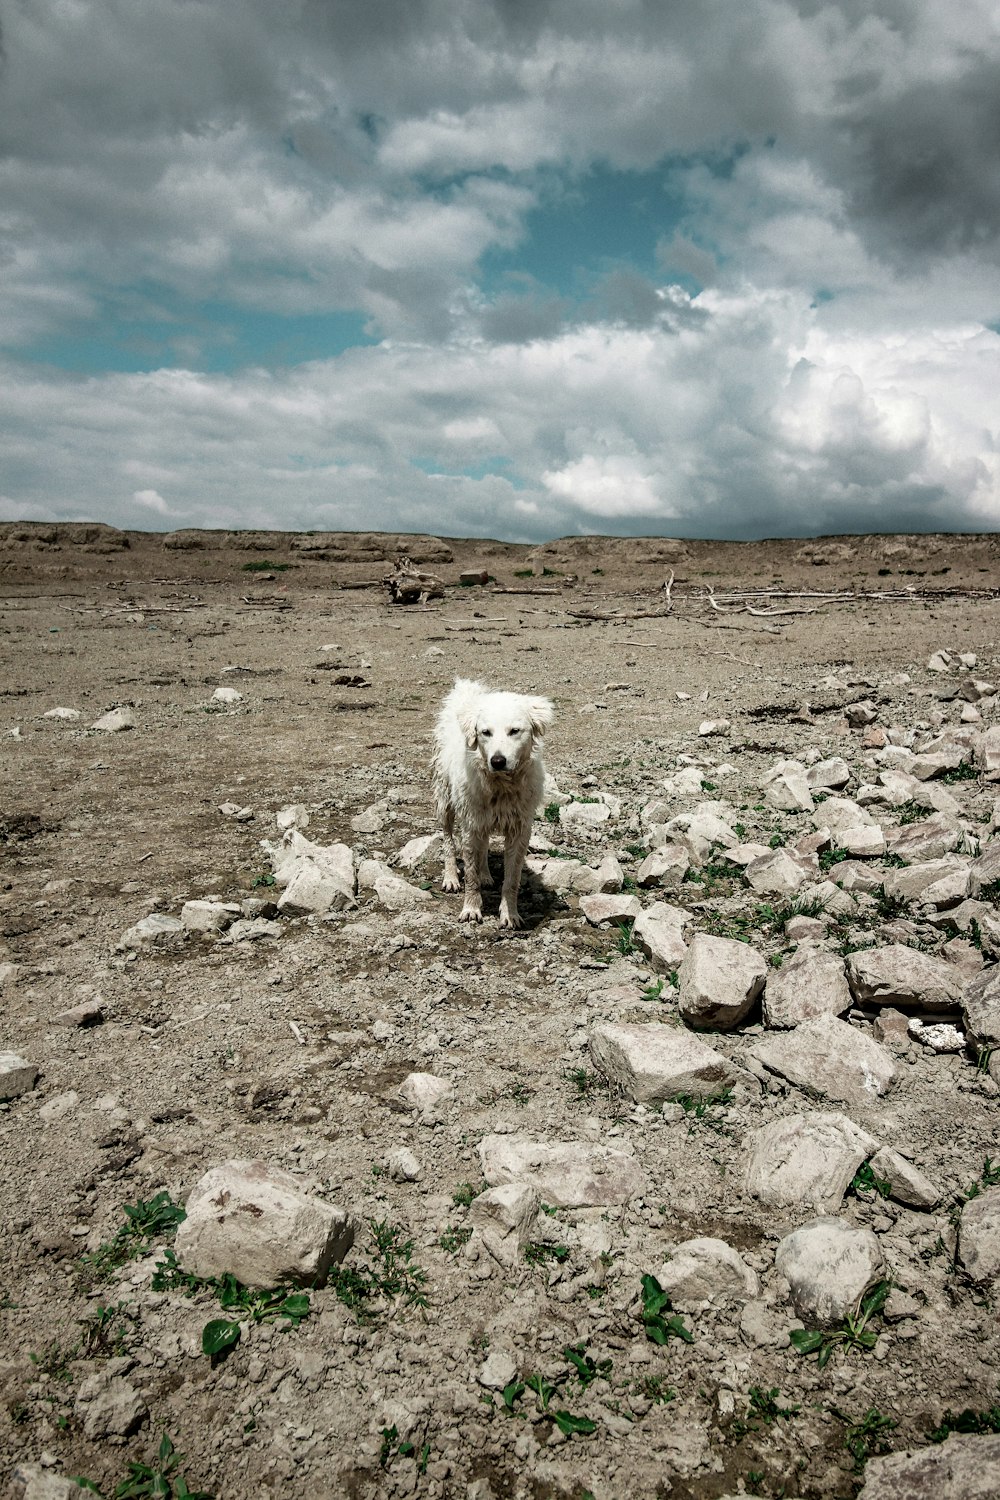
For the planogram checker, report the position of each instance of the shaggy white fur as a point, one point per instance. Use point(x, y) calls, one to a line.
point(488, 779)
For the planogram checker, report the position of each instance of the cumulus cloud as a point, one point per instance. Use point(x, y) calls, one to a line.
point(752, 420)
point(827, 197)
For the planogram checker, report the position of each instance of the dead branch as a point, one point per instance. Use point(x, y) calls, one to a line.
point(408, 584)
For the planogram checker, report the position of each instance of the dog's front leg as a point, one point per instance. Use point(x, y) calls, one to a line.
point(474, 855)
point(449, 880)
point(513, 864)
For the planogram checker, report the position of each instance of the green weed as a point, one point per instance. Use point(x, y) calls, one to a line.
point(585, 1083)
point(161, 1479)
point(538, 1254)
point(866, 1437)
point(551, 813)
point(966, 1421)
point(249, 1304)
point(852, 1333)
point(391, 1283)
point(455, 1238)
point(864, 1179)
point(144, 1221)
point(762, 1407)
point(655, 1304)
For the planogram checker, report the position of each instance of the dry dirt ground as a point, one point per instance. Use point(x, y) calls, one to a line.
point(292, 1048)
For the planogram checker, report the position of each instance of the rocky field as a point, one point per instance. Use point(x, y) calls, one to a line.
point(690, 1188)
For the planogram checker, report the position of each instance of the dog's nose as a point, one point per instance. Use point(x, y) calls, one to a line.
point(498, 761)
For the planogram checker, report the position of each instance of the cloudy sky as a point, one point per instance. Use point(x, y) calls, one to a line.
point(515, 268)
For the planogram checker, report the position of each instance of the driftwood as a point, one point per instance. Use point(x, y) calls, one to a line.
point(408, 584)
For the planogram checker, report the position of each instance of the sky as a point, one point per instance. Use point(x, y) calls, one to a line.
point(510, 268)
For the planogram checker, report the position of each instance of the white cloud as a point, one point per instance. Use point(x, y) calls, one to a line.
point(754, 419)
point(302, 159)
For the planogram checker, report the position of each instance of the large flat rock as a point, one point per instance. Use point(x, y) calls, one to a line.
point(565, 1174)
point(829, 1057)
point(964, 1467)
point(902, 976)
point(653, 1063)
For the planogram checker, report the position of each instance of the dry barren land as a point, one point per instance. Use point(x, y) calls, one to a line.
point(689, 1188)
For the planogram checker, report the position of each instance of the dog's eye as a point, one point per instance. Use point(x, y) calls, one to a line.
point(513, 732)
point(486, 733)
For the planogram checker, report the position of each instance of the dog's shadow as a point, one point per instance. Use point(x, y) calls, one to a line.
point(535, 902)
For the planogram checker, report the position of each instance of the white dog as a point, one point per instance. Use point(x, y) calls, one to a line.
point(488, 779)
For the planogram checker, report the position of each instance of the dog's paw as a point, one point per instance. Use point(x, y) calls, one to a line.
point(471, 914)
point(510, 918)
point(485, 880)
point(451, 883)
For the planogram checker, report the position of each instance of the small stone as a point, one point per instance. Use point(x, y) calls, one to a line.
point(703, 1273)
point(940, 1038)
point(966, 1467)
point(775, 873)
point(831, 1057)
point(981, 1008)
point(811, 983)
point(418, 853)
point(62, 713)
point(897, 975)
point(665, 867)
point(504, 1216)
point(860, 715)
point(403, 1166)
point(498, 1371)
point(907, 1184)
point(709, 727)
point(87, 1013)
point(111, 1408)
point(584, 814)
point(424, 1091)
point(227, 695)
point(295, 815)
point(602, 909)
point(659, 933)
point(939, 661)
point(833, 773)
point(208, 916)
point(154, 931)
point(565, 1174)
point(806, 1160)
point(979, 1236)
point(788, 790)
point(32, 1482)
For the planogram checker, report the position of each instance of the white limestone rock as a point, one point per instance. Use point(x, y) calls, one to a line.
point(17, 1075)
point(654, 1063)
point(702, 1273)
point(809, 984)
point(830, 1057)
point(979, 1236)
point(257, 1222)
point(719, 981)
point(504, 1216)
point(966, 1467)
point(659, 933)
point(901, 976)
point(829, 1265)
point(806, 1160)
point(565, 1174)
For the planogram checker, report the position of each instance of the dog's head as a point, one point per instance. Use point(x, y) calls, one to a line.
point(505, 728)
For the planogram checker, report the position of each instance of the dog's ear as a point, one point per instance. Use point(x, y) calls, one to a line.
point(467, 724)
point(541, 712)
